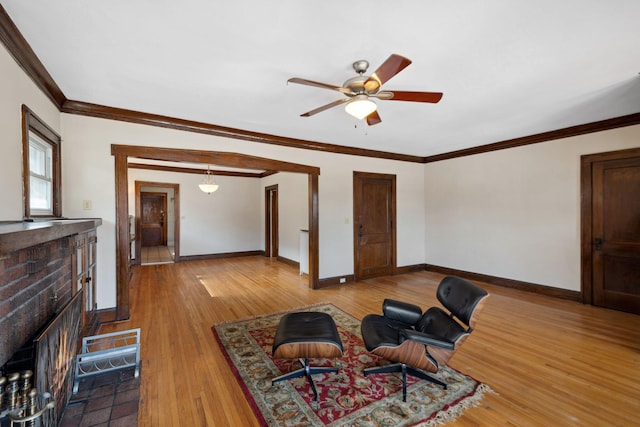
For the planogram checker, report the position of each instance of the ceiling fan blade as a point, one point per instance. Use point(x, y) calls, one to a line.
point(324, 107)
point(318, 84)
point(389, 68)
point(432, 97)
point(373, 118)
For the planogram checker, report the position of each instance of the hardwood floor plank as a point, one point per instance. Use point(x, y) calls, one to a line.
point(550, 361)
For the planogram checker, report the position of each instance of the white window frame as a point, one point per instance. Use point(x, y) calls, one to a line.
point(46, 177)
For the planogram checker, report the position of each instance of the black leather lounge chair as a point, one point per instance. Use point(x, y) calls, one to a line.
point(421, 343)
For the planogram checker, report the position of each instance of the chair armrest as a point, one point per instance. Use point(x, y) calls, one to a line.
point(426, 339)
point(401, 311)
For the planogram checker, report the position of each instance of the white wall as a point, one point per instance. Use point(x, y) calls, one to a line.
point(89, 140)
point(293, 211)
point(511, 213)
point(17, 89)
point(225, 221)
point(514, 213)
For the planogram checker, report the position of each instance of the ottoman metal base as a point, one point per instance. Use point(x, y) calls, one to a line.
point(306, 335)
point(307, 371)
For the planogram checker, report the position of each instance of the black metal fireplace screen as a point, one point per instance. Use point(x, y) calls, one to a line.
point(53, 353)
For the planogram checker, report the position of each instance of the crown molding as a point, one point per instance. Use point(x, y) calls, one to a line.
point(26, 58)
point(616, 122)
point(112, 113)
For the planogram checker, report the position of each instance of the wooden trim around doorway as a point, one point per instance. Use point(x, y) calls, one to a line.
point(586, 214)
point(121, 154)
point(271, 244)
point(176, 217)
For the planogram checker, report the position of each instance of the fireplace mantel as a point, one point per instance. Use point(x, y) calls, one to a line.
point(17, 235)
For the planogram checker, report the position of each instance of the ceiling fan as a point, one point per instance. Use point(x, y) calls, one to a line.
point(360, 89)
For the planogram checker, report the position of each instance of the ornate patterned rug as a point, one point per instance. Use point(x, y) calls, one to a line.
point(346, 398)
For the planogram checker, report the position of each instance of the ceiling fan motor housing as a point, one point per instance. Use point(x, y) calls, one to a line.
point(356, 85)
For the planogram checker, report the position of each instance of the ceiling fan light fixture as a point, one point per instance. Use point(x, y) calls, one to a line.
point(360, 106)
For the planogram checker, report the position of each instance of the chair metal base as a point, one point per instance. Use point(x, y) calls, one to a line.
point(405, 369)
point(307, 371)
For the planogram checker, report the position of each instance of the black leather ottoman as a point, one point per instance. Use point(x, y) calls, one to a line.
point(304, 336)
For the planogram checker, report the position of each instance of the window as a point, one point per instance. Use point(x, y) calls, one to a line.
point(41, 167)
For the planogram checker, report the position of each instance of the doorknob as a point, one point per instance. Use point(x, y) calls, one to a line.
point(598, 243)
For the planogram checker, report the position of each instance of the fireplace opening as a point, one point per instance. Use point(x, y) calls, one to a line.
point(44, 364)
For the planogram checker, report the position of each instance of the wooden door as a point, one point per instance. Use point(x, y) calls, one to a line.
point(616, 234)
point(374, 208)
point(153, 223)
point(271, 221)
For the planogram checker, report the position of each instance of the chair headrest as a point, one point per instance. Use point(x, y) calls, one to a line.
point(460, 297)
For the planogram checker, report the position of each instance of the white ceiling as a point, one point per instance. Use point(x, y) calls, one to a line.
point(507, 68)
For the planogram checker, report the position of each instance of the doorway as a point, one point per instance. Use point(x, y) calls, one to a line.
point(271, 239)
point(374, 231)
point(153, 221)
point(157, 223)
point(122, 153)
point(611, 230)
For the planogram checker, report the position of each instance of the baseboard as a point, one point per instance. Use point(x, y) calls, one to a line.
point(288, 261)
point(334, 281)
point(509, 283)
point(410, 268)
point(106, 315)
point(219, 256)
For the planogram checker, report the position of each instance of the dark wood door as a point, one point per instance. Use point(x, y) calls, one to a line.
point(153, 221)
point(271, 221)
point(374, 238)
point(616, 234)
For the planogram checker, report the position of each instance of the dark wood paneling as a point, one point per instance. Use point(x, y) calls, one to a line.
point(508, 283)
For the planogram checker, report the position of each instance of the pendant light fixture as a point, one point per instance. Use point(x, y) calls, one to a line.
point(208, 184)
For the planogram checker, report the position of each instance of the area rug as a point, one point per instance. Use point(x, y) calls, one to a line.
point(346, 398)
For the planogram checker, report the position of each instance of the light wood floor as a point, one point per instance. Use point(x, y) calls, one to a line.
point(551, 362)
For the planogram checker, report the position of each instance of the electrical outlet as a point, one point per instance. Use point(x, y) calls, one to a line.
point(343, 280)
point(86, 205)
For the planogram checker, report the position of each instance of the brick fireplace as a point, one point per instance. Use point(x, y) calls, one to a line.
point(39, 270)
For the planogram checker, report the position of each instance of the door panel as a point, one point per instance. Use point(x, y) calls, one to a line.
point(616, 234)
point(154, 206)
point(374, 231)
point(271, 221)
